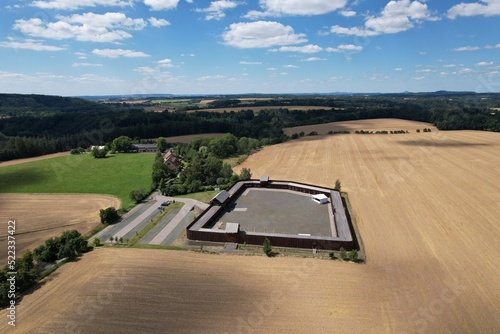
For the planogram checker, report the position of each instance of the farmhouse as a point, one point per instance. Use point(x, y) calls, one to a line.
point(280, 211)
point(171, 160)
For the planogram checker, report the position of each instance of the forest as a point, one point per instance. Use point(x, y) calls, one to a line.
point(33, 125)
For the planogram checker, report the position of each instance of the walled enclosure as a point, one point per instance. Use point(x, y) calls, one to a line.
point(201, 228)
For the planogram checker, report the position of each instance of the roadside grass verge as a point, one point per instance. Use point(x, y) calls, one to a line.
point(134, 241)
point(117, 175)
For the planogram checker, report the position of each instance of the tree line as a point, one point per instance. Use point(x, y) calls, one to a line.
point(83, 124)
point(32, 265)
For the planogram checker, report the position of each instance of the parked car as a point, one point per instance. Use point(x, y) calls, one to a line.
point(166, 203)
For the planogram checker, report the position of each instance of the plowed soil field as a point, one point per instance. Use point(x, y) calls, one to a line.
point(41, 216)
point(427, 207)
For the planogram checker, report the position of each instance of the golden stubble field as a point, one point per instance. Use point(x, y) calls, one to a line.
point(41, 216)
point(427, 207)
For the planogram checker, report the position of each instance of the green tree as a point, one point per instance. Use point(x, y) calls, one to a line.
point(99, 153)
point(245, 174)
point(108, 215)
point(162, 144)
point(96, 242)
point(122, 144)
point(162, 187)
point(267, 247)
point(138, 195)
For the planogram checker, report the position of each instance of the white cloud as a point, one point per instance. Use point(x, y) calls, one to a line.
point(216, 9)
point(467, 48)
point(261, 34)
point(348, 13)
point(397, 16)
point(250, 63)
point(161, 4)
point(354, 31)
point(290, 66)
point(165, 63)
point(88, 27)
point(492, 46)
point(485, 7)
point(158, 22)
point(346, 48)
point(86, 64)
point(145, 70)
point(115, 53)
point(30, 44)
point(302, 49)
point(398, 69)
point(449, 65)
point(210, 77)
point(313, 59)
point(72, 4)
point(295, 7)
point(485, 63)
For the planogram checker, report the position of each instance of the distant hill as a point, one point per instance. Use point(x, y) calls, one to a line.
point(22, 104)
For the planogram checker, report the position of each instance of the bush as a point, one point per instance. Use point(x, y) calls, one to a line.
point(268, 250)
point(96, 242)
point(332, 255)
point(343, 253)
point(338, 186)
point(77, 151)
point(138, 195)
point(109, 215)
point(353, 255)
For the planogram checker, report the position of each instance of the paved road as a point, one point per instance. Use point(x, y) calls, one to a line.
point(140, 215)
point(189, 204)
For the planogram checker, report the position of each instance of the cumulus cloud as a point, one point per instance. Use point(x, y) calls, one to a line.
point(30, 44)
point(115, 53)
point(485, 8)
point(313, 59)
point(145, 70)
point(216, 9)
point(485, 63)
point(348, 13)
point(161, 4)
point(346, 48)
point(88, 27)
point(165, 63)
point(467, 48)
point(158, 22)
point(72, 4)
point(296, 7)
point(302, 49)
point(86, 64)
point(261, 34)
point(397, 16)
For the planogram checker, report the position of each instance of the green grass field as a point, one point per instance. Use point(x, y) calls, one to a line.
point(117, 175)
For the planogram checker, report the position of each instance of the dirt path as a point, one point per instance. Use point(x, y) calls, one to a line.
point(22, 161)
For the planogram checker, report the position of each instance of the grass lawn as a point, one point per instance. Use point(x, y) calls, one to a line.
point(117, 175)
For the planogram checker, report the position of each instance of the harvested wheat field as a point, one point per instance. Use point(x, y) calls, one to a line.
point(427, 207)
point(380, 124)
point(41, 216)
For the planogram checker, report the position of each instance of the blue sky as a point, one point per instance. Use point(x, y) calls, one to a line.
point(102, 47)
